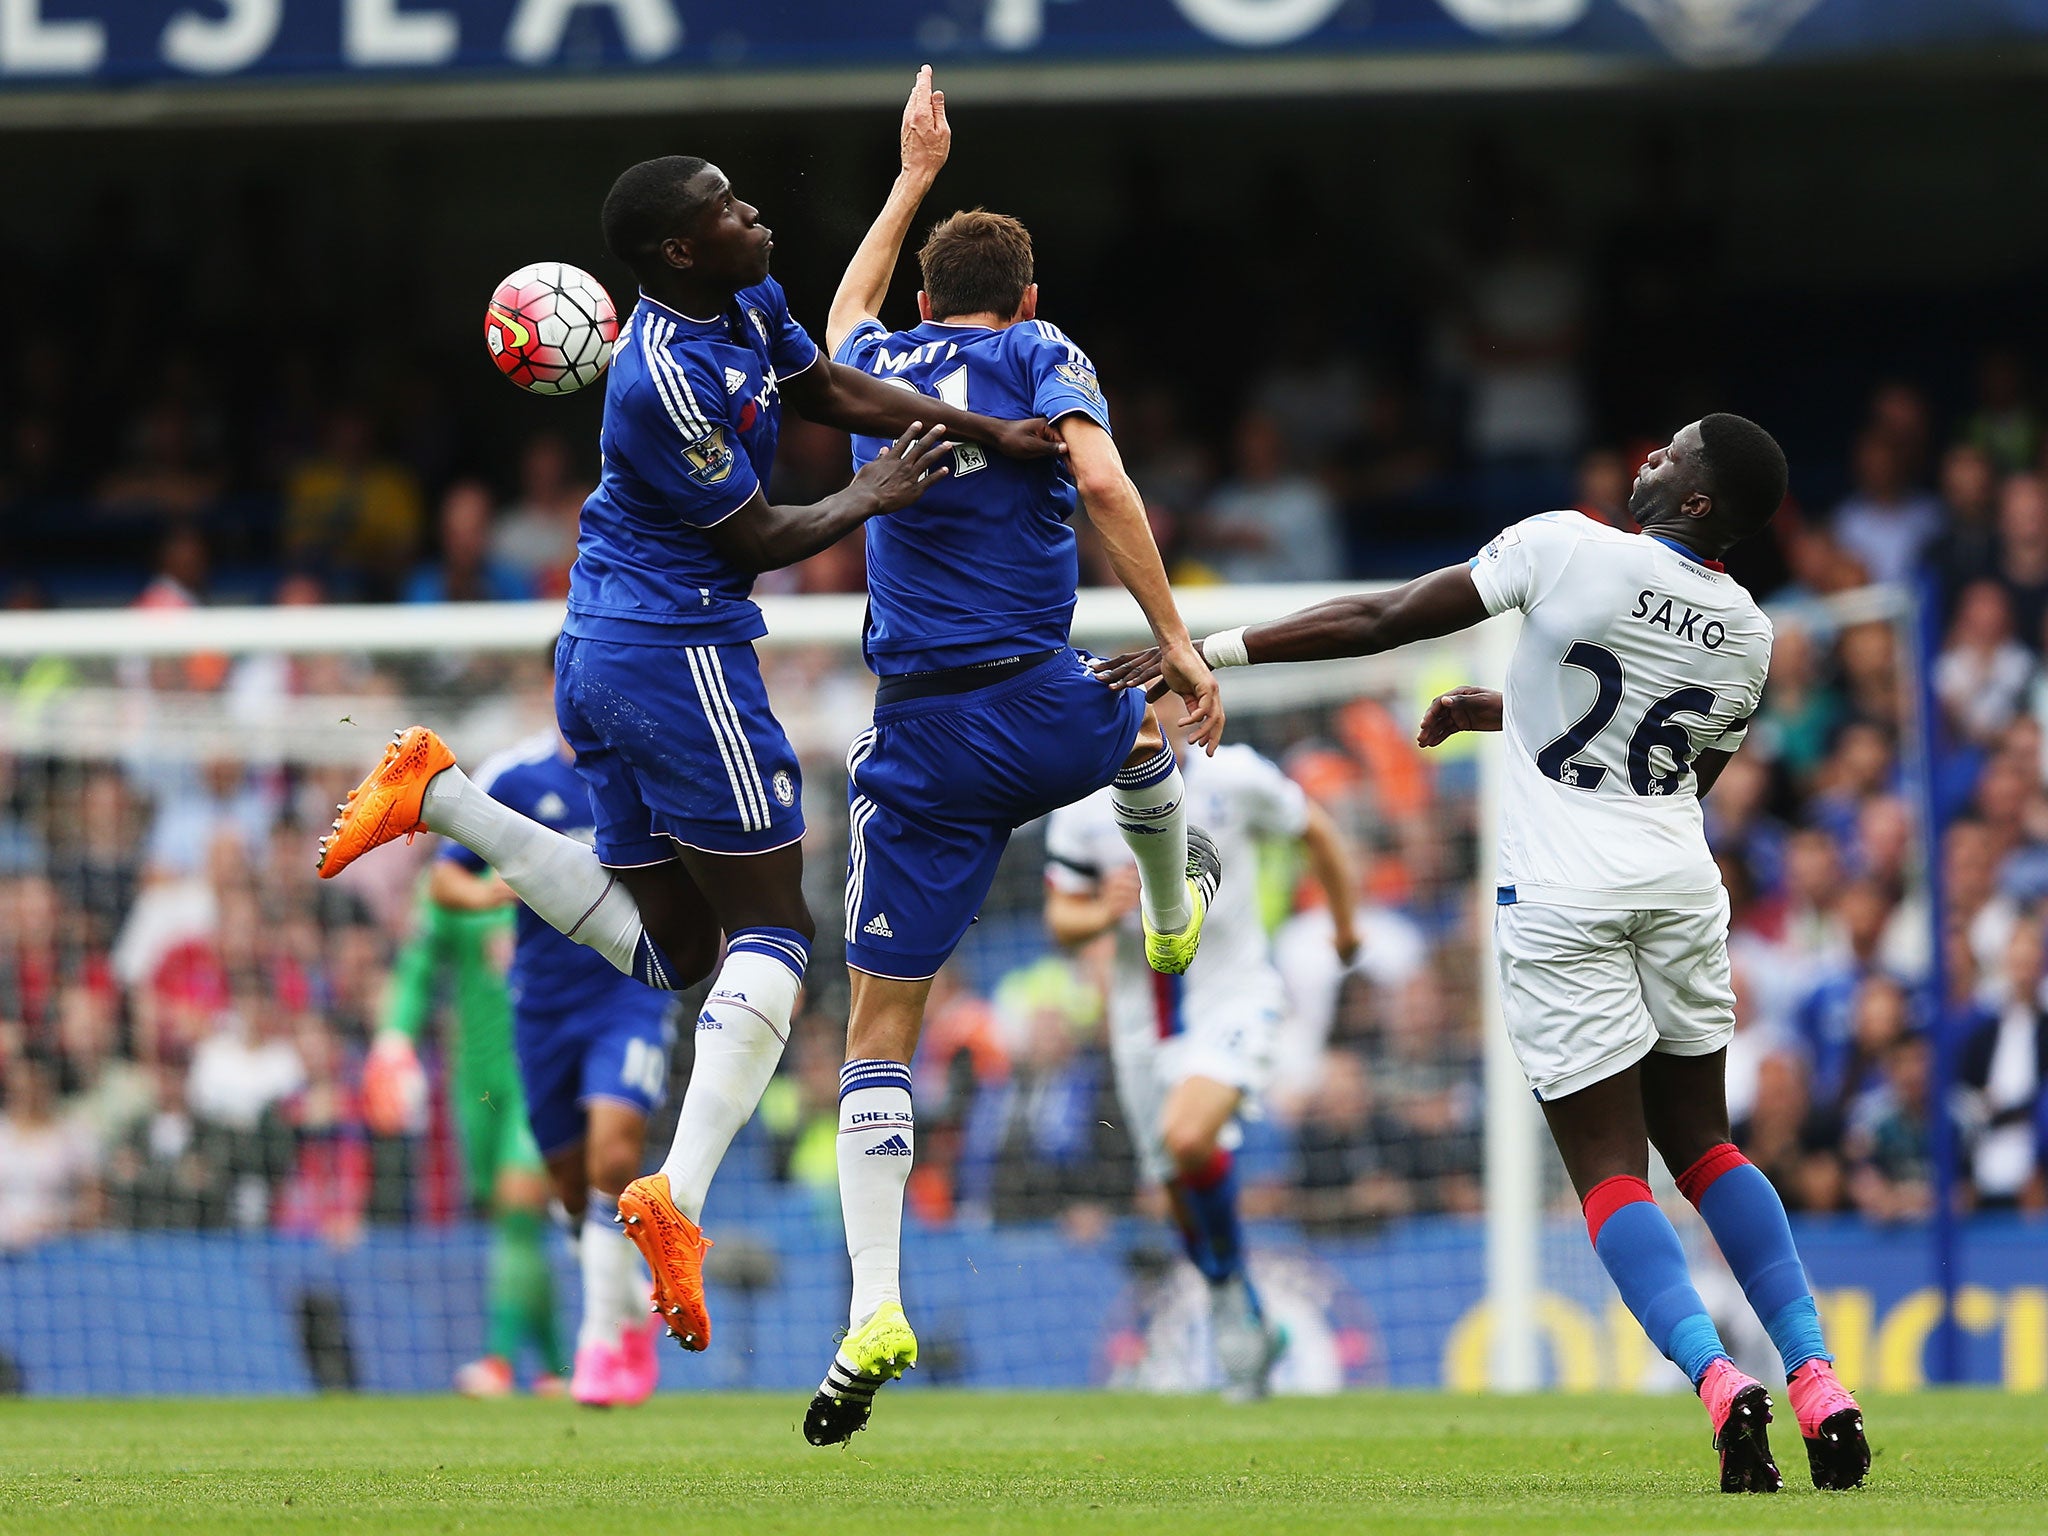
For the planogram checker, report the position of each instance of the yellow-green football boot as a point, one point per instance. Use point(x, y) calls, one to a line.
point(1170, 954)
point(878, 1351)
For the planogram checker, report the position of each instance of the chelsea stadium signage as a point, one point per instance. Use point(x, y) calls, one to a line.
point(115, 42)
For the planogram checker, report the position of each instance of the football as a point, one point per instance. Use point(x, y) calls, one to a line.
point(551, 328)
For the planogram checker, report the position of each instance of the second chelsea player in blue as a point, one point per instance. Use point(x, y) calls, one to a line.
point(695, 788)
point(985, 718)
point(592, 1045)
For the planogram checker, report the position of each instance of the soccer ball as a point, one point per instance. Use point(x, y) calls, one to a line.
point(551, 328)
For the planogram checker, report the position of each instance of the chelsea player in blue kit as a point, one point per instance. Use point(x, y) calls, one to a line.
point(985, 718)
point(592, 1045)
point(695, 788)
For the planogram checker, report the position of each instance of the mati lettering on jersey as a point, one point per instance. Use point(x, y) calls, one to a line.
point(983, 565)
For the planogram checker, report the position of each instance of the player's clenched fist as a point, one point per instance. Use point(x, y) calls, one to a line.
point(1461, 709)
point(898, 475)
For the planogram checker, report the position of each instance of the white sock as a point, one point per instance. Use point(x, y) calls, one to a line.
point(740, 1035)
point(1152, 815)
point(613, 1293)
point(557, 876)
point(877, 1143)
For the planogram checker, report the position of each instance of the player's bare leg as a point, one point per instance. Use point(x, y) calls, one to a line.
point(615, 1362)
point(1685, 1110)
point(757, 900)
point(417, 787)
point(1601, 1134)
point(1178, 866)
point(1203, 1192)
point(877, 1144)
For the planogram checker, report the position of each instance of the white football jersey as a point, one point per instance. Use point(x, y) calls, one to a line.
point(1237, 797)
point(1634, 657)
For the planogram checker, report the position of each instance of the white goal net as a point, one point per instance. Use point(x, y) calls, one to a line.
point(185, 1009)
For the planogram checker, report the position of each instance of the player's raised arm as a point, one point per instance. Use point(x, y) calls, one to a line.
point(761, 537)
point(926, 140)
point(1118, 513)
point(1440, 603)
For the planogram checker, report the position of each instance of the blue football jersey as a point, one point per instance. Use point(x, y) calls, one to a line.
point(982, 566)
point(550, 973)
point(692, 410)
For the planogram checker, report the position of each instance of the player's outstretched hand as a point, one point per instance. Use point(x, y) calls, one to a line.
point(1031, 438)
point(1133, 669)
point(1184, 672)
point(1462, 709)
point(927, 138)
point(901, 472)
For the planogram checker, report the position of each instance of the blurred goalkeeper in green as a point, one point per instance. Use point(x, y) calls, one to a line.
point(462, 956)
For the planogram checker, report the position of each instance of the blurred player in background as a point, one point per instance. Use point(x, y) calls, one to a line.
point(1190, 1050)
point(696, 789)
point(985, 718)
point(1639, 665)
point(466, 950)
point(593, 1049)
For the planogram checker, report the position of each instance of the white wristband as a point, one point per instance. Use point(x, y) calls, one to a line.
point(1226, 649)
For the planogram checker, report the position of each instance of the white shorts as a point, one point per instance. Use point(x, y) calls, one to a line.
point(1587, 992)
point(1227, 1034)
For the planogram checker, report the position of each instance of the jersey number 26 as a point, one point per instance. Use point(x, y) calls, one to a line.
point(1656, 729)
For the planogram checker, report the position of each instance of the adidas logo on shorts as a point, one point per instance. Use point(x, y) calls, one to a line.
point(878, 925)
point(895, 1146)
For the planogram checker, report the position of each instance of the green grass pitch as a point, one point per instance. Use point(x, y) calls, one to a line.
point(947, 1461)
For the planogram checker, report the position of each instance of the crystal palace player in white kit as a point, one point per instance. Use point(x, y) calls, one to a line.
point(1190, 1049)
point(1639, 664)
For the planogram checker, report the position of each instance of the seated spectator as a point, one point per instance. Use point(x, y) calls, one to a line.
point(1853, 1012)
point(1268, 523)
point(350, 514)
point(2004, 427)
point(1341, 1184)
point(1605, 481)
point(1966, 550)
point(169, 1172)
point(466, 571)
point(536, 538)
point(1784, 1139)
point(1045, 1138)
point(1889, 1144)
point(327, 1193)
point(1982, 674)
point(1427, 1113)
point(1861, 762)
point(1800, 709)
point(1977, 908)
point(2003, 1072)
point(1886, 523)
point(2023, 553)
point(50, 1159)
point(1739, 823)
point(161, 474)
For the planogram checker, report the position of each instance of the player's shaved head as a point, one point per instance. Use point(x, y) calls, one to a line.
point(650, 203)
point(976, 263)
point(1743, 469)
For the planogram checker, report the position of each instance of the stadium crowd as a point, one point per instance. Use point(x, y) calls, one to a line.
point(184, 1009)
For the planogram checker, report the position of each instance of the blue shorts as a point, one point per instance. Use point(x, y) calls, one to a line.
point(613, 1047)
point(677, 742)
point(937, 786)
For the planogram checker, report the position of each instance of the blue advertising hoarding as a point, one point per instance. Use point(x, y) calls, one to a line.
point(125, 42)
point(1028, 1306)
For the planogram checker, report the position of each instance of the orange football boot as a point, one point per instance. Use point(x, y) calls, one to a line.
point(674, 1249)
point(386, 805)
